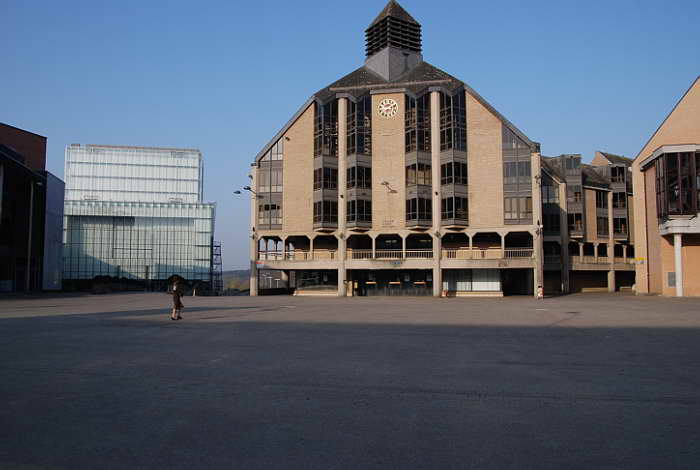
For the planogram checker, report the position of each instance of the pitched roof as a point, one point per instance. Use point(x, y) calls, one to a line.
point(551, 165)
point(617, 159)
point(394, 10)
point(591, 177)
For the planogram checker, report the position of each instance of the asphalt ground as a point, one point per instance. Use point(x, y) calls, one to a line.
point(588, 381)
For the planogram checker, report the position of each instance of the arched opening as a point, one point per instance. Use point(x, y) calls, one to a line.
point(325, 247)
point(389, 246)
point(419, 246)
point(270, 249)
point(518, 245)
point(359, 247)
point(298, 248)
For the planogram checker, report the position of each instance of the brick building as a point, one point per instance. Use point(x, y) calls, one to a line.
point(400, 179)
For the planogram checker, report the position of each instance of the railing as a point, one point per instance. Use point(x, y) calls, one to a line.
point(297, 255)
point(388, 254)
point(619, 260)
point(419, 254)
point(591, 259)
point(359, 254)
point(476, 254)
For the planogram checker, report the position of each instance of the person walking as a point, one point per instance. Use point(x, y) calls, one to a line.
point(177, 301)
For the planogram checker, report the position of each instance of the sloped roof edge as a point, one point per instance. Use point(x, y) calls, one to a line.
point(285, 128)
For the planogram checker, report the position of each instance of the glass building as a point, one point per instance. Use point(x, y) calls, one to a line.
point(136, 213)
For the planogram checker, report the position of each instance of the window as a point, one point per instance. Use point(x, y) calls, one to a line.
point(572, 165)
point(359, 211)
point(455, 208)
point(275, 153)
point(419, 209)
point(417, 124)
point(602, 225)
point(359, 136)
point(620, 225)
point(269, 214)
point(677, 179)
point(617, 174)
point(550, 191)
point(359, 177)
point(575, 222)
point(574, 194)
point(619, 200)
point(419, 173)
point(453, 172)
point(269, 178)
point(453, 122)
point(326, 212)
point(517, 208)
point(326, 130)
point(551, 223)
point(601, 199)
point(325, 178)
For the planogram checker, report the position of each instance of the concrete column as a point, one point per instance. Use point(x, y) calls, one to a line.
point(374, 247)
point(678, 255)
point(503, 245)
point(611, 281)
point(595, 252)
point(624, 253)
point(284, 248)
point(471, 244)
point(253, 265)
point(437, 268)
point(611, 228)
point(403, 247)
point(311, 247)
point(342, 281)
point(436, 196)
point(580, 251)
point(537, 238)
point(253, 237)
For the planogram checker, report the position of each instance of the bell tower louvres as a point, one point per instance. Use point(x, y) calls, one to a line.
point(393, 42)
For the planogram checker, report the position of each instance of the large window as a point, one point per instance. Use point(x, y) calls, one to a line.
point(269, 178)
point(326, 212)
point(550, 190)
point(518, 208)
point(574, 194)
point(572, 165)
point(677, 182)
point(359, 211)
point(601, 199)
point(419, 209)
point(419, 173)
point(602, 224)
point(418, 124)
point(517, 173)
point(275, 153)
point(619, 200)
point(620, 225)
point(326, 130)
point(575, 222)
point(453, 172)
point(269, 214)
point(359, 177)
point(325, 178)
point(453, 122)
point(617, 174)
point(455, 208)
point(359, 139)
point(551, 223)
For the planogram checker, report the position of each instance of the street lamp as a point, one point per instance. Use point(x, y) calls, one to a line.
point(250, 190)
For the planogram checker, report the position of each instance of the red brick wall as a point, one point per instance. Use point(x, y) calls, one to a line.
point(31, 146)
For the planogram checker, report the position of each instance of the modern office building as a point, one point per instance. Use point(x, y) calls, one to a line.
point(667, 203)
point(31, 214)
point(400, 179)
point(136, 213)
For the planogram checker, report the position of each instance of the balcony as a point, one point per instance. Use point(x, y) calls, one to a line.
point(479, 254)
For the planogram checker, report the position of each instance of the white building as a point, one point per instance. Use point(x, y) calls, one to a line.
point(136, 213)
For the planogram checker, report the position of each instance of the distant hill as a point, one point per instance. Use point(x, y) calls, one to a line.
point(238, 279)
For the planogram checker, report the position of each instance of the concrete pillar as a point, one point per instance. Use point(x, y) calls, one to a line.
point(253, 266)
point(374, 247)
point(564, 230)
point(436, 195)
point(624, 253)
point(403, 246)
point(471, 244)
point(342, 281)
point(611, 280)
point(537, 238)
point(611, 228)
point(595, 252)
point(437, 268)
point(311, 247)
point(503, 245)
point(678, 255)
point(580, 251)
point(284, 248)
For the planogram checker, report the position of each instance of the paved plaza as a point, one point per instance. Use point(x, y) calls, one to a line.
point(589, 381)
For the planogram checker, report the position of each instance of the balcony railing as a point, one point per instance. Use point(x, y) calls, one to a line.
point(590, 260)
point(394, 254)
point(476, 254)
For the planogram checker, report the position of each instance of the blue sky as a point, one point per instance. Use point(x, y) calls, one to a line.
point(224, 77)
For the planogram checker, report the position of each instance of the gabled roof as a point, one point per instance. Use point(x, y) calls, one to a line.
point(617, 159)
point(591, 177)
point(422, 78)
point(394, 10)
point(549, 164)
point(687, 93)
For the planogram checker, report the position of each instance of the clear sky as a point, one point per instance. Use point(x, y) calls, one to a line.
point(225, 76)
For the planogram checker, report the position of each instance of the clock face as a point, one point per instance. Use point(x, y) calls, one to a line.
point(388, 108)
